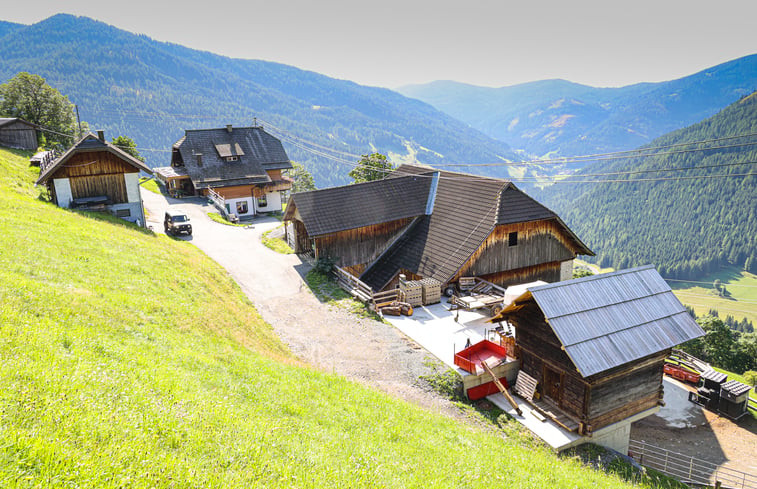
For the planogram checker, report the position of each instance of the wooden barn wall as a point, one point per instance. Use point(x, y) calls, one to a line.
point(302, 240)
point(548, 272)
point(538, 242)
point(361, 245)
point(274, 174)
point(112, 185)
point(94, 163)
point(18, 135)
point(535, 335)
point(618, 392)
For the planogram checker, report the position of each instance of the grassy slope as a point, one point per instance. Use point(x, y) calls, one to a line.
point(132, 360)
point(740, 284)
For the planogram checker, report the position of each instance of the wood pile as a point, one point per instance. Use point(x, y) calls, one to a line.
point(395, 309)
point(431, 291)
point(413, 290)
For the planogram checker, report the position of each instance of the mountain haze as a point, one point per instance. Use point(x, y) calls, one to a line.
point(152, 91)
point(686, 226)
point(557, 117)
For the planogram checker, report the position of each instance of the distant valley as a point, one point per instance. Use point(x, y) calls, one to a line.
point(558, 118)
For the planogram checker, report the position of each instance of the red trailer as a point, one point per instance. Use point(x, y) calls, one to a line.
point(681, 373)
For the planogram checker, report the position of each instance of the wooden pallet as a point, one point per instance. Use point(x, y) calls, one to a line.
point(525, 386)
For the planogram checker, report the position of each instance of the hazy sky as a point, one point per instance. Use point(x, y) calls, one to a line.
point(396, 42)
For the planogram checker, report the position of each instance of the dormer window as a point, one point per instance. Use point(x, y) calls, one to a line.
point(232, 158)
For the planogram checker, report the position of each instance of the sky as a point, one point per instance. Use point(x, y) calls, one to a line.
point(391, 43)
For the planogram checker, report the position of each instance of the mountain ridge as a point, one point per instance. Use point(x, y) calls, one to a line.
point(152, 91)
point(532, 116)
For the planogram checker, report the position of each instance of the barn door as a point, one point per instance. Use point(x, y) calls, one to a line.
point(552, 384)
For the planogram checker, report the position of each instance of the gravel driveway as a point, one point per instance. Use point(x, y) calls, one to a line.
point(329, 338)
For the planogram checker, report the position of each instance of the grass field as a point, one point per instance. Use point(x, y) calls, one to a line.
point(741, 285)
point(132, 360)
point(151, 185)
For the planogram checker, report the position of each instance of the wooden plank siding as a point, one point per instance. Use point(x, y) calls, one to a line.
point(113, 185)
point(95, 173)
point(361, 245)
point(539, 243)
point(235, 192)
point(548, 272)
point(18, 135)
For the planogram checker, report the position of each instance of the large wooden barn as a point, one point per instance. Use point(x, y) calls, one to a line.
point(243, 165)
point(17, 133)
point(426, 223)
point(596, 346)
point(96, 175)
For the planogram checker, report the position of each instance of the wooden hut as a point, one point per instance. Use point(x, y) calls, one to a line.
point(425, 223)
point(17, 133)
point(96, 175)
point(596, 346)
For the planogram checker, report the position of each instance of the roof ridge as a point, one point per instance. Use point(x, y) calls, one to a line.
point(349, 185)
point(597, 276)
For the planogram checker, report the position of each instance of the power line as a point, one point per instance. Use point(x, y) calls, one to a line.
point(708, 283)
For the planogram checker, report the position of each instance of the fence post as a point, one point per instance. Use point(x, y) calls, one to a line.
point(666, 462)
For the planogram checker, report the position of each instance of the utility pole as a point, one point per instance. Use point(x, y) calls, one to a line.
point(78, 120)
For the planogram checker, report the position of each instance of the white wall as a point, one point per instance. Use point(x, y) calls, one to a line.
point(274, 203)
point(63, 192)
point(132, 187)
point(232, 203)
point(566, 270)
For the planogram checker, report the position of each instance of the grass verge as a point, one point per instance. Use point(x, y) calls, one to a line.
point(133, 360)
point(327, 291)
point(150, 184)
point(276, 244)
point(217, 217)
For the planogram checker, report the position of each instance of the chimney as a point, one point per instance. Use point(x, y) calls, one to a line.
point(101, 136)
point(199, 159)
point(228, 128)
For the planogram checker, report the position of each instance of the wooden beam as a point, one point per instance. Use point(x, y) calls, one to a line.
point(502, 389)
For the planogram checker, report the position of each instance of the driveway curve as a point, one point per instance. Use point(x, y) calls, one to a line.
point(329, 338)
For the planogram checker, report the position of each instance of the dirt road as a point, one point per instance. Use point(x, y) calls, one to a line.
point(328, 338)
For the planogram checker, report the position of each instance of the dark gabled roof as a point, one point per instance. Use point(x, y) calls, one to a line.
point(464, 214)
point(608, 320)
point(9, 120)
point(256, 150)
point(363, 204)
point(91, 143)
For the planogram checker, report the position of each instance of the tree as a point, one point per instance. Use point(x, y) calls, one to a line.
point(127, 144)
point(303, 180)
point(29, 97)
point(371, 167)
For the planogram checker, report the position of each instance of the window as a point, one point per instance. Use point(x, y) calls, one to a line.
point(242, 207)
point(232, 158)
point(123, 213)
point(263, 201)
point(512, 239)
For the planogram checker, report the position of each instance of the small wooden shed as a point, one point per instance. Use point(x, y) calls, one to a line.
point(597, 345)
point(17, 133)
point(96, 175)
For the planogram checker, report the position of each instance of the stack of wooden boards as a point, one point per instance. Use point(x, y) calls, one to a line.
point(431, 291)
point(413, 290)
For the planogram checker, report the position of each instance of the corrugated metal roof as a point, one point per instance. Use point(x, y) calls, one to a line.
point(735, 388)
point(611, 319)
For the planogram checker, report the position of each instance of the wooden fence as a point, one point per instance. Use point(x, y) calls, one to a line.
point(362, 291)
point(690, 470)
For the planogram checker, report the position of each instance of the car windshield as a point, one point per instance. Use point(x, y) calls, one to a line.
point(180, 218)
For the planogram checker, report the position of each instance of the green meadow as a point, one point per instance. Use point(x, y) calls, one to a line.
point(132, 360)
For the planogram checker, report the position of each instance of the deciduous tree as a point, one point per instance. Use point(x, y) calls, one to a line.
point(371, 167)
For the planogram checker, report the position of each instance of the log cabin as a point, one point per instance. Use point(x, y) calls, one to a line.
point(96, 175)
point(17, 133)
point(425, 223)
point(596, 346)
point(243, 165)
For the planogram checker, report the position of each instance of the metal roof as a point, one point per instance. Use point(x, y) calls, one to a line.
point(611, 319)
point(714, 375)
point(735, 388)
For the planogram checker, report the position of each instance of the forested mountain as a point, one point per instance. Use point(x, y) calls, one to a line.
point(557, 117)
point(685, 226)
point(130, 84)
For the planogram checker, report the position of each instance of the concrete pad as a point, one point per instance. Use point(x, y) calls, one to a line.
point(678, 411)
point(435, 329)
